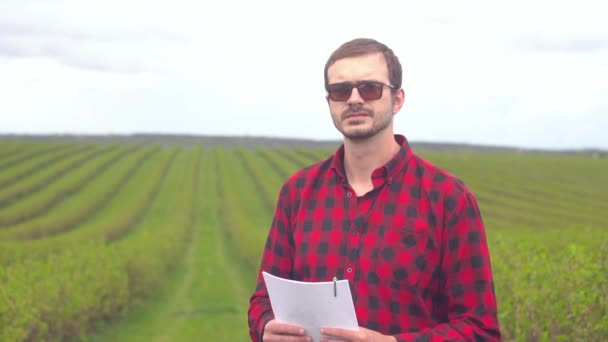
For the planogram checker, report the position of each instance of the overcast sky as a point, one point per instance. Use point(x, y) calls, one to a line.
point(517, 73)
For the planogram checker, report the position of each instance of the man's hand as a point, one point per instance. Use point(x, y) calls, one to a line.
point(363, 335)
point(277, 332)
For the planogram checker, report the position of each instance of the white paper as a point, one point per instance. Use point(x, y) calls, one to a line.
point(311, 305)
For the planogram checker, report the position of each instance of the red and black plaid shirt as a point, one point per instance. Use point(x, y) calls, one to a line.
point(413, 249)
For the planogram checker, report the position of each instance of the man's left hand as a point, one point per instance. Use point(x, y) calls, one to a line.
point(363, 335)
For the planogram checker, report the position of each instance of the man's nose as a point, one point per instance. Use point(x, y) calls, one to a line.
point(355, 97)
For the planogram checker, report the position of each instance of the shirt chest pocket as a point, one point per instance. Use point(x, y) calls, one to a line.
point(405, 258)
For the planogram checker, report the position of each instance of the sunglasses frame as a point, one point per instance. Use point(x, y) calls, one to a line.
point(358, 85)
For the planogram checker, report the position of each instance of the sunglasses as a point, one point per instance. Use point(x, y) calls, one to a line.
point(368, 90)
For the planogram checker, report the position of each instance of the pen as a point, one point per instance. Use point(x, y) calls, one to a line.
point(335, 287)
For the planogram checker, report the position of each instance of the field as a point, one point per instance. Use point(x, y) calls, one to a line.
point(140, 240)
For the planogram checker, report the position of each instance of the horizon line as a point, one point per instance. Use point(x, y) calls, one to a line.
point(301, 139)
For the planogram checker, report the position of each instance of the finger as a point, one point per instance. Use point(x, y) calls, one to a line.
point(332, 340)
point(286, 338)
point(284, 329)
point(340, 334)
point(336, 332)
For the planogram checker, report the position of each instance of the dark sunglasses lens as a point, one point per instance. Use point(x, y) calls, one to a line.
point(340, 92)
point(370, 91)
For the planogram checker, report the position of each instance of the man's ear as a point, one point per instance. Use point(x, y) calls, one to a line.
point(398, 100)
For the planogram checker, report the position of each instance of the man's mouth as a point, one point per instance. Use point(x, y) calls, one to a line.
point(356, 115)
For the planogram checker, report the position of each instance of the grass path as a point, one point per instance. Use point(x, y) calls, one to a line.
point(205, 299)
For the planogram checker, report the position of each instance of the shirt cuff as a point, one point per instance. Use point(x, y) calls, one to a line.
point(264, 319)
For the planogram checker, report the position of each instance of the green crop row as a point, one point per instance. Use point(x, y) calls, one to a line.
point(8, 148)
point(67, 294)
point(34, 165)
point(543, 205)
point(156, 244)
point(283, 167)
point(29, 152)
point(130, 204)
point(546, 188)
point(56, 192)
point(75, 209)
point(550, 290)
point(244, 213)
point(561, 177)
point(265, 183)
point(29, 185)
point(298, 159)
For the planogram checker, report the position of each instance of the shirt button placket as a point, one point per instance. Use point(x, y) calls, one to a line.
point(355, 237)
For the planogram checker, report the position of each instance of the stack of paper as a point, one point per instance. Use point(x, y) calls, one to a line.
point(312, 305)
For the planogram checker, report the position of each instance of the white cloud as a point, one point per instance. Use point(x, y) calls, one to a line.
point(516, 73)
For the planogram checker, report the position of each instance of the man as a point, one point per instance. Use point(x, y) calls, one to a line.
point(407, 235)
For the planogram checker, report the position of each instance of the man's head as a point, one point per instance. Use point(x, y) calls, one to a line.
point(363, 83)
point(365, 46)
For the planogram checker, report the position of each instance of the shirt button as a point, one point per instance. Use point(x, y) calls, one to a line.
point(349, 270)
point(355, 233)
point(349, 194)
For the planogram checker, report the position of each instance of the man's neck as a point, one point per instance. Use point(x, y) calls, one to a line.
point(361, 158)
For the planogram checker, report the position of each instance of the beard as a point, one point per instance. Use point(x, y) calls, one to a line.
point(379, 123)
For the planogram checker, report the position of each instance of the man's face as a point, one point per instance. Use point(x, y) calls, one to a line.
point(357, 118)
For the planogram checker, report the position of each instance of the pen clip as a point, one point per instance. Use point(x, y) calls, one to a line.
point(335, 287)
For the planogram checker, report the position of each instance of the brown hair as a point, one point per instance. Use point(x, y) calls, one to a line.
point(363, 46)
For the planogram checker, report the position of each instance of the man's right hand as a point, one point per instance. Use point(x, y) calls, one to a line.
point(276, 332)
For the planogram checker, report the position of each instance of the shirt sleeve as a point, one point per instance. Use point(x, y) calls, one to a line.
point(468, 287)
point(277, 259)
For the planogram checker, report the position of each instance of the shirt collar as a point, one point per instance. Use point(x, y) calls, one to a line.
point(397, 164)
